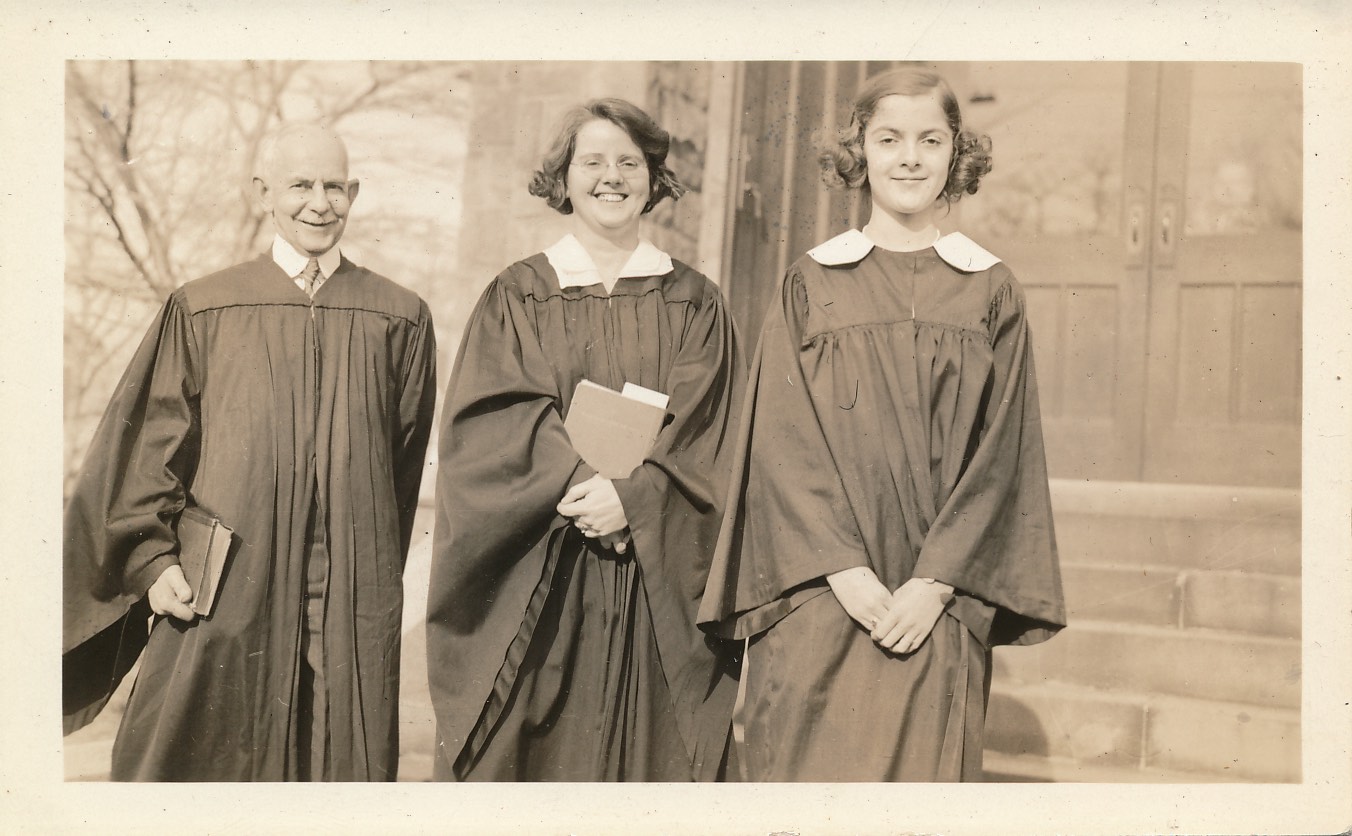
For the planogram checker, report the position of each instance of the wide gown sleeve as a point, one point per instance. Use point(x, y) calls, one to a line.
point(504, 462)
point(994, 537)
point(674, 503)
point(417, 404)
point(119, 522)
point(788, 521)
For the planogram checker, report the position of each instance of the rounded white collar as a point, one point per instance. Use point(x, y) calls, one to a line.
point(956, 249)
point(575, 267)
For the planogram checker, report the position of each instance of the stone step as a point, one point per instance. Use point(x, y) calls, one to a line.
point(1184, 526)
point(1198, 663)
point(1246, 602)
point(1004, 768)
point(1143, 734)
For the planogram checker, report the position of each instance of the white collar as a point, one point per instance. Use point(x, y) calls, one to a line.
point(293, 262)
point(575, 267)
point(961, 252)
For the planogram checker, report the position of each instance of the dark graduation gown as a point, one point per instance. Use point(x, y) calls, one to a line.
point(550, 658)
point(892, 423)
point(249, 400)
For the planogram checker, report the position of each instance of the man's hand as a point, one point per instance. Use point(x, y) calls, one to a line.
point(911, 614)
point(170, 594)
point(861, 594)
point(595, 507)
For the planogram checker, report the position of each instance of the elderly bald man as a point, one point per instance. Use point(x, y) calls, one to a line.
point(291, 397)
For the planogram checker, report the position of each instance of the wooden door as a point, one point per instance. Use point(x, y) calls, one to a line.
point(1223, 397)
point(1065, 207)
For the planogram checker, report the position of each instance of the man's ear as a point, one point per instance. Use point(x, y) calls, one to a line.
point(262, 194)
point(353, 186)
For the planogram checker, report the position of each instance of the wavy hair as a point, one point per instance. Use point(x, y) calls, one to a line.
point(550, 181)
point(844, 166)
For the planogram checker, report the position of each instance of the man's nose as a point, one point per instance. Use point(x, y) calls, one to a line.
point(317, 200)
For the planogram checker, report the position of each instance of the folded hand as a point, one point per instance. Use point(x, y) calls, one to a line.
point(595, 507)
point(861, 594)
point(911, 613)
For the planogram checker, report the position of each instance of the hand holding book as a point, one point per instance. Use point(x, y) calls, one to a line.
point(595, 507)
point(613, 432)
point(170, 594)
point(203, 546)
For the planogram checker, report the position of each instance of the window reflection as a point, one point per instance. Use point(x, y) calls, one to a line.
point(1244, 149)
point(1057, 135)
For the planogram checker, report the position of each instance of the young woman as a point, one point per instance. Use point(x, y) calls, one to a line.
point(889, 520)
point(562, 642)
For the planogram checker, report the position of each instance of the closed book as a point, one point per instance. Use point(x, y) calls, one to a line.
point(614, 431)
point(203, 546)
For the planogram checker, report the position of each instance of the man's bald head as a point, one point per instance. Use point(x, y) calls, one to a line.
point(301, 180)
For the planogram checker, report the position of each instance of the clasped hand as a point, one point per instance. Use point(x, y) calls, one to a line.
point(899, 621)
point(596, 510)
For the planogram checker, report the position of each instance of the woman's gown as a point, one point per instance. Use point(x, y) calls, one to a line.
point(892, 423)
point(549, 657)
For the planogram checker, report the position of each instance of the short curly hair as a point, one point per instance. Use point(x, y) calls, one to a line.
point(844, 166)
point(550, 181)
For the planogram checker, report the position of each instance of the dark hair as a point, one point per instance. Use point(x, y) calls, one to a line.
point(843, 164)
point(550, 181)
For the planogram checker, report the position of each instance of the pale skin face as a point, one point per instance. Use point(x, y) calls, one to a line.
point(908, 147)
point(607, 182)
point(306, 189)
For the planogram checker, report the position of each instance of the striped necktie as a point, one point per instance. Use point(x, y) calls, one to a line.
point(311, 275)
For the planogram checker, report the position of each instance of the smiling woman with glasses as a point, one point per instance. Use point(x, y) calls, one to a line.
point(561, 631)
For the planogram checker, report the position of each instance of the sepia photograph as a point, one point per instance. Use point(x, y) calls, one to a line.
point(899, 427)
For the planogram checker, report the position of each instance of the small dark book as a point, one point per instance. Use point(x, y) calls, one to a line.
point(203, 545)
point(614, 431)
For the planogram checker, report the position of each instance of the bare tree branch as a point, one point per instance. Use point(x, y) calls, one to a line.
point(131, 111)
point(158, 161)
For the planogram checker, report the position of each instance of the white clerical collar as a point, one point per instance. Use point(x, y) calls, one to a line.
point(575, 267)
point(293, 261)
point(959, 251)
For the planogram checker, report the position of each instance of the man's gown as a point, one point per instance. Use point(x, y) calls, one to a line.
point(253, 402)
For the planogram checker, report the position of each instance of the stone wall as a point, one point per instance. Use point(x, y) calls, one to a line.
point(678, 98)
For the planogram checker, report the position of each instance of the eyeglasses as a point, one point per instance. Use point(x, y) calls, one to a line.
point(629, 167)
